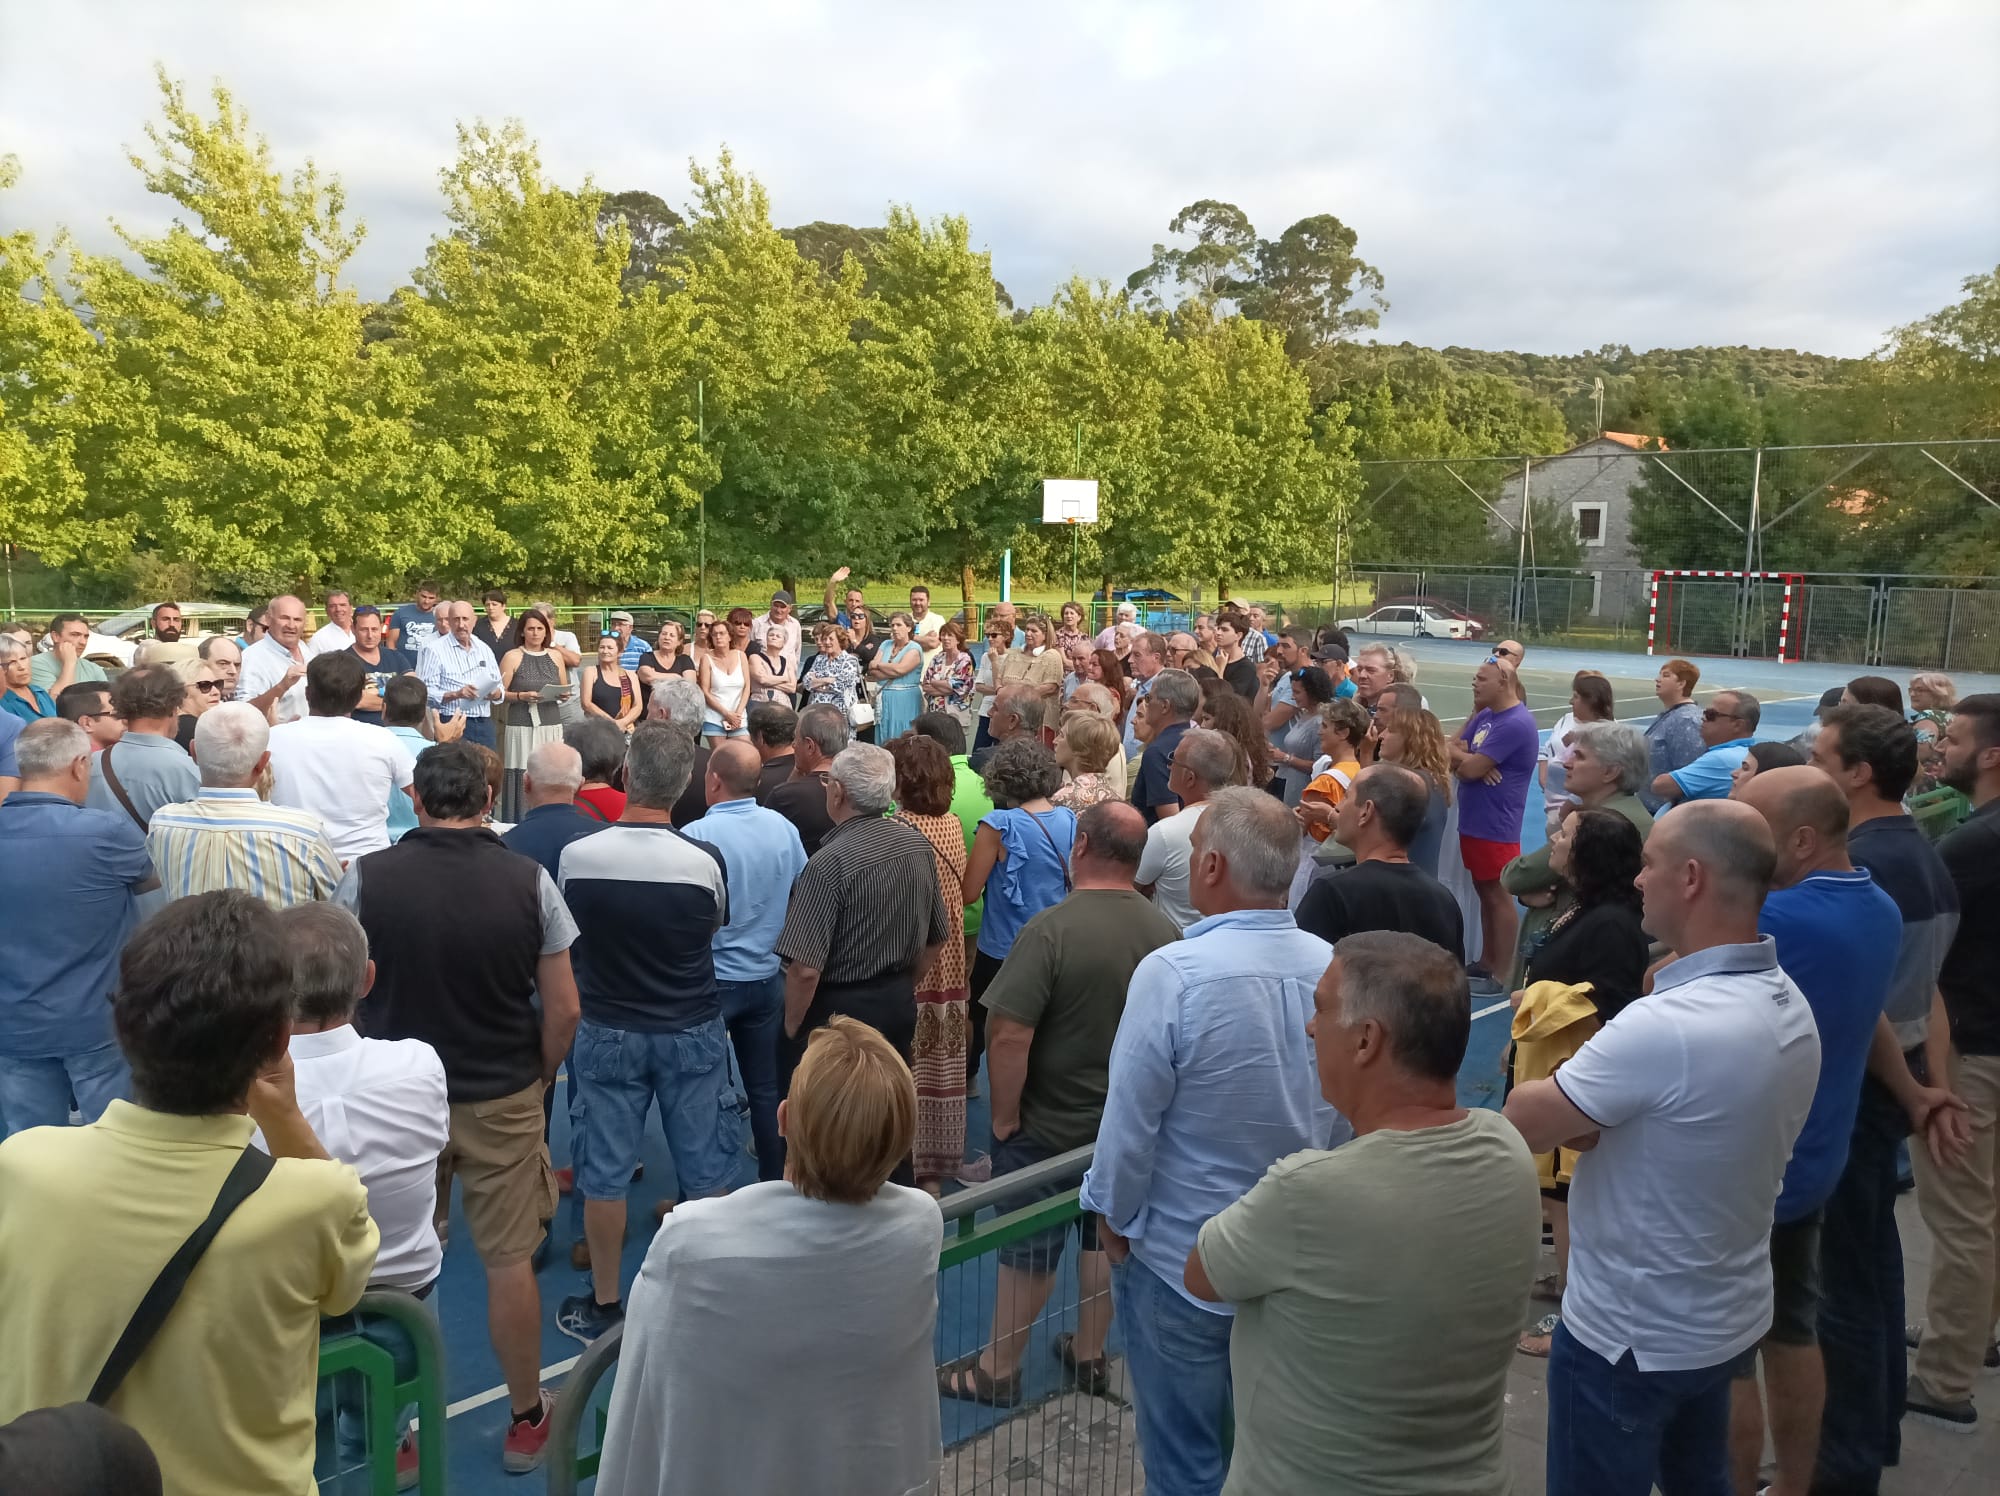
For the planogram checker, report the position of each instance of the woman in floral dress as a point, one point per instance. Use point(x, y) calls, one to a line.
point(924, 780)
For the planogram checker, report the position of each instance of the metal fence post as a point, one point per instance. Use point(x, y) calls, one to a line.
point(1521, 539)
point(1950, 626)
point(1742, 642)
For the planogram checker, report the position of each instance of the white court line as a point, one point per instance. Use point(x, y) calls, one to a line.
point(494, 1394)
point(1490, 1009)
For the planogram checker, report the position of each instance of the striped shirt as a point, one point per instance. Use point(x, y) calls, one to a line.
point(445, 665)
point(648, 904)
point(867, 904)
point(231, 839)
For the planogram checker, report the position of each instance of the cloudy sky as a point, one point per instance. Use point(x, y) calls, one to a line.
point(1536, 176)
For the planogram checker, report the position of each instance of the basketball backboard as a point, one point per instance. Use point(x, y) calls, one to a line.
point(1069, 501)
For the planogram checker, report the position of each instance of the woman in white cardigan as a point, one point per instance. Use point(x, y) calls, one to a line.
point(778, 1339)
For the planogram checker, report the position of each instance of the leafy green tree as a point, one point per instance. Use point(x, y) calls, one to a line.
point(50, 392)
point(233, 425)
point(1305, 285)
point(1210, 269)
point(654, 229)
point(774, 345)
point(552, 419)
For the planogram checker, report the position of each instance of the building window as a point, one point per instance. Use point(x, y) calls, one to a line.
point(1589, 523)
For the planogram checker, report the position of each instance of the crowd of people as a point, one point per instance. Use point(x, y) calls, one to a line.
point(308, 926)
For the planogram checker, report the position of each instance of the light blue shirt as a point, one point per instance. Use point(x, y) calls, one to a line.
point(402, 809)
point(1213, 1080)
point(763, 857)
point(1141, 689)
point(1281, 695)
point(1707, 778)
point(445, 665)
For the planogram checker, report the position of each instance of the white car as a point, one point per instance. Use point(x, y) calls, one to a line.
point(1409, 620)
point(115, 641)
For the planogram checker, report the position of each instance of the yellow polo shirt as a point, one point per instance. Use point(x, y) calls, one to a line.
point(89, 1215)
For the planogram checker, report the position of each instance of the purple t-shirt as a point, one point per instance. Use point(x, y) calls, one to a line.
point(1492, 812)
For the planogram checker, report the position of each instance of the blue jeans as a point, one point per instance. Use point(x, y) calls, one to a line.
point(478, 730)
point(755, 1013)
point(622, 1072)
point(1861, 1306)
point(35, 1093)
point(1616, 1430)
point(1178, 1359)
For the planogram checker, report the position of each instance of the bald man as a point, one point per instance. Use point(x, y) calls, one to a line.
point(551, 820)
point(273, 679)
point(1670, 1273)
point(762, 857)
point(1837, 936)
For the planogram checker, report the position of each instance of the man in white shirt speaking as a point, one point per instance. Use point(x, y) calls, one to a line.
point(1687, 1105)
point(342, 770)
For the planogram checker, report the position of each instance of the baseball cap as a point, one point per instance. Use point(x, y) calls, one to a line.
point(1332, 649)
point(621, 616)
point(781, 596)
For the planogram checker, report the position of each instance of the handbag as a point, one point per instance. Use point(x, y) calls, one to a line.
point(864, 709)
point(251, 1169)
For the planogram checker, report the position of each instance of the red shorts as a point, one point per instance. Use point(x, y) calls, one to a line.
point(1484, 859)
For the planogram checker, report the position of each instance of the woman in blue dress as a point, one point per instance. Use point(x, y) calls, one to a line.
point(1019, 861)
point(898, 670)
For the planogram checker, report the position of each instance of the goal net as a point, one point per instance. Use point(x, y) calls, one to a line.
point(1746, 613)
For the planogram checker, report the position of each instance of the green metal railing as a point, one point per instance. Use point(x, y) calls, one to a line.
point(349, 1355)
point(1042, 1443)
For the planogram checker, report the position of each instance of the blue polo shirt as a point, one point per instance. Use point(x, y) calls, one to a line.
point(1838, 937)
point(544, 831)
point(763, 857)
point(68, 874)
point(1707, 778)
point(1149, 790)
point(10, 729)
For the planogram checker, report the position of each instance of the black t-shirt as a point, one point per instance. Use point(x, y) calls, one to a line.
point(693, 803)
point(1603, 946)
point(802, 801)
point(1382, 896)
point(1241, 677)
point(1971, 975)
point(388, 664)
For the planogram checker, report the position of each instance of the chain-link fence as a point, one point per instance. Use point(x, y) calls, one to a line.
point(1866, 554)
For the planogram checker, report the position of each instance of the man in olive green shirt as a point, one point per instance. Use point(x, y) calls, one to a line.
point(1379, 1287)
point(1053, 1013)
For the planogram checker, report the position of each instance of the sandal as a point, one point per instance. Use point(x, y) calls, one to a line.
point(1092, 1377)
point(968, 1381)
point(1537, 1341)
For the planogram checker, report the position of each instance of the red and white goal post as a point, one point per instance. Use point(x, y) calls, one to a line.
point(1793, 583)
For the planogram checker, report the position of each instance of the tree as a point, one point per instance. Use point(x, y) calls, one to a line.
point(654, 230)
point(773, 342)
point(232, 425)
point(552, 419)
point(1224, 249)
point(828, 244)
point(50, 392)
point(1305, 282)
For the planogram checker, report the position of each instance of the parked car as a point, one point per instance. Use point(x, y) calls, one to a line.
point(1438, 605)
point(115, 641)
point(1411, 621)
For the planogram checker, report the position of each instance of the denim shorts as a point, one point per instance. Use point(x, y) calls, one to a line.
point(1041, 1253)
point(692, 1074)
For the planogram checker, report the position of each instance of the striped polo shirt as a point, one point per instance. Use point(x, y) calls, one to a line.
point(228, 838)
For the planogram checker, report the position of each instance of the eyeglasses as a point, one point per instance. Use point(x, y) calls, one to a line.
point(1710, 714)
point(206, 685)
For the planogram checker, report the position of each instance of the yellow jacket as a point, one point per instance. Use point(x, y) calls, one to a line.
point(1552, 1023)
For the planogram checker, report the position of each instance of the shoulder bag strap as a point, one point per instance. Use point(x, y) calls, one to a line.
point(251, 1169)
point(1061, 861)
point(590, 809)
point(111, 779)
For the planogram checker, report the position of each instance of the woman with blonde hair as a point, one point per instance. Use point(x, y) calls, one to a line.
point(819, 1290)
point(1085, 748)
point(1410, 736)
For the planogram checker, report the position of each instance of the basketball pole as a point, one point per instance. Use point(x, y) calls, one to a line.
point(1076, 535)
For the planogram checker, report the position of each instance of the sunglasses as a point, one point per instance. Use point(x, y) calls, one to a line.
point(207, 685)
point(1710, 714)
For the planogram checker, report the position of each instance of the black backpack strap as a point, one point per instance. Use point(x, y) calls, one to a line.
point(251, 1169)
